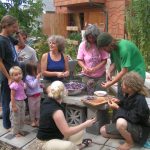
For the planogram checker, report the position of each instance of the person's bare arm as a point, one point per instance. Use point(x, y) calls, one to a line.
point(82, 65)
point(110, 71)
point(14, 108)
point(103, 62)
point(62, 124)
point(115, 79)
point(44, 68)
point(4, 71)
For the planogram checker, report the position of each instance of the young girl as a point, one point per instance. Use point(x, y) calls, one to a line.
point(17, 100)
point(132, 113)
point(33, 92)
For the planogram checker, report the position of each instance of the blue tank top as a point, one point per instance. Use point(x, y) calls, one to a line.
point(55, 66)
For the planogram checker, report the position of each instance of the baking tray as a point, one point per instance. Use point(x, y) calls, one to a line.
point(95, 101)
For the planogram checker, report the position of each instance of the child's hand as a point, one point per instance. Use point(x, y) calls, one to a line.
point(38, 76)
point(113, 104)
point(14, 108)
point(115, 100)
point(42, 85)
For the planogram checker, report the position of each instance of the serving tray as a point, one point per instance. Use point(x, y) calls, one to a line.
point(95, 101)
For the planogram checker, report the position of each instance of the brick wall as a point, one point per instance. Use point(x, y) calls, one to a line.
point(116, 17)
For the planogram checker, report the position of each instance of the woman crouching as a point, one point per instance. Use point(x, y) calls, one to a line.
point(54, 132)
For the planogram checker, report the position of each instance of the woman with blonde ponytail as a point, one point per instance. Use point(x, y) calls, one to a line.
point(132, 113)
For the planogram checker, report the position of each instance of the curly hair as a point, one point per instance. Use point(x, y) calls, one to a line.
point(56, 90)
point(91, 30)
point(134, 81)
point(60, 41)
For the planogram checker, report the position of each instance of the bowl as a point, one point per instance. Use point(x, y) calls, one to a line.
point(100, 93)
point(74, 92)
point(74, 87)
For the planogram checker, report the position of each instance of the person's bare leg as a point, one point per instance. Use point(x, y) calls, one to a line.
point(121, 125)
point(106, 135)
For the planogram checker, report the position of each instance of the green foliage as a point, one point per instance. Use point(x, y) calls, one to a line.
point(41, 46)
point(138, 26)
point(75, 36)
point(26, 11)
point(72, 49)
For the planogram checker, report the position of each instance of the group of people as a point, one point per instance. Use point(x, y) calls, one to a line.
point(20, 78)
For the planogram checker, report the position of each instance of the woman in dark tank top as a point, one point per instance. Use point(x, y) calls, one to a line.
point(54, 64)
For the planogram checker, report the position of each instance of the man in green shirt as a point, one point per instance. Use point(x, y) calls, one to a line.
point(125, 57)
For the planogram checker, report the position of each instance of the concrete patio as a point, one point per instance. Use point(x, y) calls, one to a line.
point(9, 142)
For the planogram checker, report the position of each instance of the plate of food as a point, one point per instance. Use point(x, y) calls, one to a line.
point(95, 101)
point(100, 93)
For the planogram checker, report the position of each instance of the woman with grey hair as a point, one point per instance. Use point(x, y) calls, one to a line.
point(91, 59)
point(54, 131)
point(54, 64)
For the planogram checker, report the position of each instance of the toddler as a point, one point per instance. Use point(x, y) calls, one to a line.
point(33, 92)
point(17, 100)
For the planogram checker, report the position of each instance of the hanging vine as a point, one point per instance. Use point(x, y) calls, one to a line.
point(138, 26)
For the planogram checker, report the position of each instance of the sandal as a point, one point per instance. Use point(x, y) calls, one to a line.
point(86, 142)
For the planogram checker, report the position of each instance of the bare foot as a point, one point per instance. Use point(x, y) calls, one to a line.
point(8, 129)
point(125, 146)
point(22, 133)
point(33, 124)
point(37, 123)
point(18, 135)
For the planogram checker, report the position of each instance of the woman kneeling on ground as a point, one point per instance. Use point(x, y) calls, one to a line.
point(54, 132)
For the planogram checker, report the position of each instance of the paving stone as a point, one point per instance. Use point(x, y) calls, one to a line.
point(108, 148)
point(2, 130)
point(26, 146)
point(19, 142)
point(114, 142)
point(97, 139)
point(94, 146)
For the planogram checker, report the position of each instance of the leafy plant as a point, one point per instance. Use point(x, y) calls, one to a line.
point(41, 46)
point(138, 26)
point(26, 11)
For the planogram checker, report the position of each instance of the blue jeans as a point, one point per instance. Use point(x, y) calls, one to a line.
point(5, 98)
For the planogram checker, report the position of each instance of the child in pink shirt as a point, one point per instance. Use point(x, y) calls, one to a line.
point(17, 100)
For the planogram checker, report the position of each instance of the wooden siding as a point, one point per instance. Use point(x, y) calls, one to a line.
point(74, 2)
point(54, 24)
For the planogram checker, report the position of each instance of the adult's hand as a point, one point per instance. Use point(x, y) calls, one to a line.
point(60, 74)
point(86, 70)
point(90, 122)
point(106, 84)
point(113, 105)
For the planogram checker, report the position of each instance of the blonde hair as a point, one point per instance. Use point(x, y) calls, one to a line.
point(134, 81)
point(56, 90)
point(13, 69)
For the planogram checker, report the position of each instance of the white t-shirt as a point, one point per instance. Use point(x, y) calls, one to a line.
point(27, 54)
